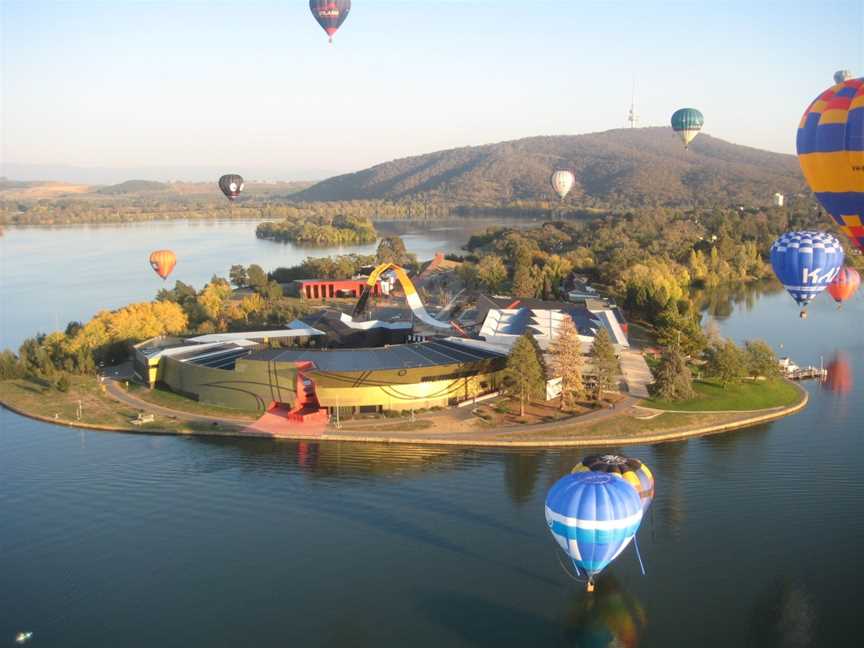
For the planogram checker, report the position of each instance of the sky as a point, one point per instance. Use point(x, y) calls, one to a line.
point(176, 90)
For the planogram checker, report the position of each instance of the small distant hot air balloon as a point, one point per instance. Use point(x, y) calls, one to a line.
point(830, 147)
point(593, 517)
point(806, 263)
point(687, 122)
point(231, 185)
point(163, 262)
point(633, 471)
point(330, 14)
point(562, 181)
point(845, 285)
point(841, 76)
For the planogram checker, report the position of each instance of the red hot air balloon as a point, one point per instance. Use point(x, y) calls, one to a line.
point(845, 285)
point(163, 262)
point(330, 14)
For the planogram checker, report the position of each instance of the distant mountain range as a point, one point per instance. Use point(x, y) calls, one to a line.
point(109, 175)
point(630, 167)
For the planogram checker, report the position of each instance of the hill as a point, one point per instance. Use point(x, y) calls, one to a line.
point(632, 167)
point(134, 187)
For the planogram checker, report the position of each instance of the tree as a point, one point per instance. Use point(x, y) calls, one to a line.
point(9, 366)
point(391, 249)
point(566, 354)
point(256, 277)
point(678, 325)
point(213, 297)
point(492, 273)
point(35, 359)
point(252, 305)
point(761, 359)
point(672, 378)
point(524, 378)
point(272, 292)
point(605, 363)
point(63, 384)
point(523, 281)
point(238, 276)
point(725, 361)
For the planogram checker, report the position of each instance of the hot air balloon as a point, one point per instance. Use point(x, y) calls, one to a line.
point(831, 153)
point(632, 470)
point(806, 263)
point(842, 75)
point(845, 285)
point(163, 262)
point(593, 517)
point(687, 122)
point(330, 14)
point(562, 182)
point(231, 185)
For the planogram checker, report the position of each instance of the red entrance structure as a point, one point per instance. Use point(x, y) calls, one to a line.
point(330, 288)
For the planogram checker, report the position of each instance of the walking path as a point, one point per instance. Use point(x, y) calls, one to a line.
point(637, 375)
point(119, 394)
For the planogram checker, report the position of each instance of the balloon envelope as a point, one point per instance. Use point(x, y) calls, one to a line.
point(806, 262)
point(231, 185)
point(830, 146)
point(562, 181)
point(845, 285)
point(632, 471)
point(687, 122)
point(330, 14)
point(593, 517)
point(163, 262)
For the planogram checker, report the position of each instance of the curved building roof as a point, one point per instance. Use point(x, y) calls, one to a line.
point(399, 356)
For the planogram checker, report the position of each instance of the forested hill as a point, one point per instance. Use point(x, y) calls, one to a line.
point(635, 167)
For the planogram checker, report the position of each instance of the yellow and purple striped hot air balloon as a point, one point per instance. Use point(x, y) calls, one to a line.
point(831, 152)
point(631, 470)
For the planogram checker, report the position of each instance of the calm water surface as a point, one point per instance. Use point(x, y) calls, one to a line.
point(754, 538)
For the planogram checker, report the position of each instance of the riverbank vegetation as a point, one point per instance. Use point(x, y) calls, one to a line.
point(320, 230)
point(650, 261)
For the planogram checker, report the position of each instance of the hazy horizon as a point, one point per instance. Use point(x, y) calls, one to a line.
point(100, 93)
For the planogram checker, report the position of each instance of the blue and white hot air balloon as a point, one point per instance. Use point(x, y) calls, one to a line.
point(593, 517)
point(806, 263)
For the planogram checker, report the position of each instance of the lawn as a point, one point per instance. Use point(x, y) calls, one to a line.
point(172, 400)
point(96, 407)
point(742, 396)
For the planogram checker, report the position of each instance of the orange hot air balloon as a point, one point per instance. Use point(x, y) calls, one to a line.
point(845, 285)
point(163, 262)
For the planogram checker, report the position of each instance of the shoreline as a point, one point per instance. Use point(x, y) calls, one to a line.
point(367, 436)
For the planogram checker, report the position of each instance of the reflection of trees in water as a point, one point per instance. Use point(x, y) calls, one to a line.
point(335, 460)
point(720, 302)
point(521, 471)
point(668, 510)
point(783, 616)
point(610, 616)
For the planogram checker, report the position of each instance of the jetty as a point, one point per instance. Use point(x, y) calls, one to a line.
point(793, 372)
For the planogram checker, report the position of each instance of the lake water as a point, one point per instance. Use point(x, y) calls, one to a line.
point(754, 538)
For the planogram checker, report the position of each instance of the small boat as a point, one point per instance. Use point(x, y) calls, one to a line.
point(23, 637)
